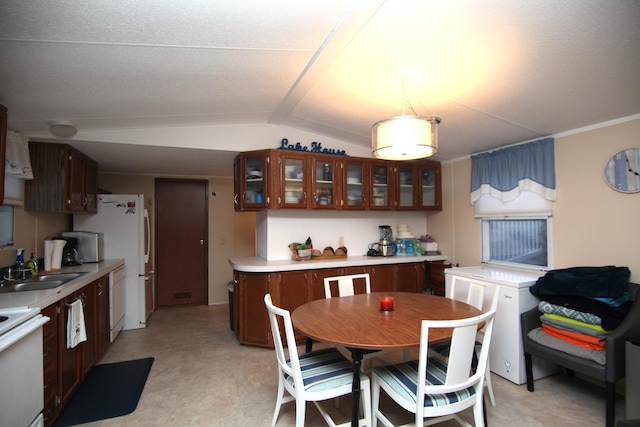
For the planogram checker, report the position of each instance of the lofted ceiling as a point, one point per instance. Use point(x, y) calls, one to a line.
point(497, 72)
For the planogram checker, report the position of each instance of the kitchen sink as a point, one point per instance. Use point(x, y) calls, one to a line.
point(36, 283)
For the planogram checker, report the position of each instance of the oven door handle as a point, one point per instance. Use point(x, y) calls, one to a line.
point(16, 334)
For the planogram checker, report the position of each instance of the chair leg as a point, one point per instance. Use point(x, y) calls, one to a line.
point(375, 400)
point(529, 370)
point(366, 404)
point(276, 412)
point(301, 406)
point(611, 404)
point(487, 380)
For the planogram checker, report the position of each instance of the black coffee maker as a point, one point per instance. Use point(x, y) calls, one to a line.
point(70, 252)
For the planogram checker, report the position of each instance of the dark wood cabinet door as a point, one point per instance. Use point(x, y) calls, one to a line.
point(406, 186)
point(355, 184)
point(91, 186)
point(325, 178)
point(76, 166)
point(254, 321)
point(381, 185)
point(102, 315)
point(317, 282)
point(294, 180)
point(70, 373)
point(382, 278)
point(410, 277)
point(291, 291)
point(88, 295)
point(430, 191)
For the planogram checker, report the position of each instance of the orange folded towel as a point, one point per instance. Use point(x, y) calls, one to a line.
point(576, 338)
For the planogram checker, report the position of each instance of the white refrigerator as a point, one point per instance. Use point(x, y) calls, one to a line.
point(124, 220)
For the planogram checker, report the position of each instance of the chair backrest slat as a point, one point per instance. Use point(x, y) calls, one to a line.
point(346, 284)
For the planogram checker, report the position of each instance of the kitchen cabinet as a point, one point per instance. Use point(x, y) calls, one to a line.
point(410, 277)
point(3, 148)
point(436, 277)
point(103, 327)
point(326, 174)
point(354, 184)
point(253, 328)
point(64, 180)
point(252, 181)
point(291, 289)
point(283, 179)
point(381, 185)
point(430, 191)
point(293, 181)
point(65, 369)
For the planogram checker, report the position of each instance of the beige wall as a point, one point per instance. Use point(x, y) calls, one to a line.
point(31, 228)
point(592, 223)
point(231, 234)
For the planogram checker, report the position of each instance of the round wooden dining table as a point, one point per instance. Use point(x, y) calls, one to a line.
point(357, 323)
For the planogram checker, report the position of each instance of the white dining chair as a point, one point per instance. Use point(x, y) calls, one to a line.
point(475, 293)
point(346, 284)
point(311, 377)
point(437, 389)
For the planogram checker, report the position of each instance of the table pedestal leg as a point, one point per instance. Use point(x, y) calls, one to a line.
point(356, 355)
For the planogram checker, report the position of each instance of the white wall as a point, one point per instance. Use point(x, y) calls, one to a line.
point(276, 229)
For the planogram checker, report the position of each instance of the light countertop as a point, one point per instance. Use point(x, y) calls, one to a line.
point(260, 265)
point(44, 298)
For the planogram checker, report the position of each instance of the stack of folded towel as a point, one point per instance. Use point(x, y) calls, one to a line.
point(580, 306)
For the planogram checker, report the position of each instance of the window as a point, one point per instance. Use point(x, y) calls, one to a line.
point(6, 226)
point(517, 242)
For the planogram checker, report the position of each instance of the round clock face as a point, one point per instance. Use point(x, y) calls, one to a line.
point(622, 171)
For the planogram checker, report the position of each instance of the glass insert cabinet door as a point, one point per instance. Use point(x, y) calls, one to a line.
point(325, 177)
point(429, 187)
point(353, 185)
point(294, 181)
point(254, 193)
point(406, 187)
point(380, 187)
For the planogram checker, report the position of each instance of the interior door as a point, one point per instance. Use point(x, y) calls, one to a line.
point(181, 242)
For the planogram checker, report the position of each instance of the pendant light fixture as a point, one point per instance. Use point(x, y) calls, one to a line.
point(406, 137)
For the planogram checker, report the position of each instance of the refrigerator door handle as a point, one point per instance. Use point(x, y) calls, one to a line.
point(147, 225)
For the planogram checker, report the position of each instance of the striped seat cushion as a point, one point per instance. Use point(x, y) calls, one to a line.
point(324, 370)
point(403, 379)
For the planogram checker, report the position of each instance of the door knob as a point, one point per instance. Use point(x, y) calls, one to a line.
point(201, 242)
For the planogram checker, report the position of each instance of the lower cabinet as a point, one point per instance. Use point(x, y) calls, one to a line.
point(291, 289)
point(435, 277)
point(66, 368)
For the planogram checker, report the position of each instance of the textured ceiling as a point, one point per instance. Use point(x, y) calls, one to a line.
point(496, 72)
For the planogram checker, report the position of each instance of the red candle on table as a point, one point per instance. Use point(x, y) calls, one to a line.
point(386, 303)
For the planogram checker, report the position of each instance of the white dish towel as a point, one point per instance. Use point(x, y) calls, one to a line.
point(76, 331)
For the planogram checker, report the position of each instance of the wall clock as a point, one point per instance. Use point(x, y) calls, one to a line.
point(622, 171)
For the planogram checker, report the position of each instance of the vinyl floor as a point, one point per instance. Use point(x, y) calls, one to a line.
point(202, 377)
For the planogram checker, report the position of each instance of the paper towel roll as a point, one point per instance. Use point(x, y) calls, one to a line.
point(56, 257)
point(48, 253)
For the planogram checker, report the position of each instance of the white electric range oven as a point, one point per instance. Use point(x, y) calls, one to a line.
point(21, 376)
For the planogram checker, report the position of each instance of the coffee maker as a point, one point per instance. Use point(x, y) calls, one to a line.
point(384, 247)
point(70, 252)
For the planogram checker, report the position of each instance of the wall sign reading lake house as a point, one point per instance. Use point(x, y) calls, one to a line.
point(316, 147)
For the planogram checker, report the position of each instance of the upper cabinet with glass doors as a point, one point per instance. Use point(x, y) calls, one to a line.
point(281, 179)
point(251, 183)
point(354, 184)
point(325, 179)
point(430, 190)
point(407, 186)
point(381, 188)
point(294, 180)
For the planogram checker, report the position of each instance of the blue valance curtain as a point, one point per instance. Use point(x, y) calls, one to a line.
point(504, 173)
